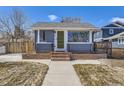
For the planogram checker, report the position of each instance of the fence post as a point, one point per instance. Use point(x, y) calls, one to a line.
point(94, 47)
point(109, 51)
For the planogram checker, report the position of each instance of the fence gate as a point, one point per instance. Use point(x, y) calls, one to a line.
point(103, 47)
point(20, 47)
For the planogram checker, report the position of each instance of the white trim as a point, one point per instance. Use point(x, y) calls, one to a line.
point(44, 43)
point(90, 37)
point(38, 36)
point(120, 38)
point(111, 27)
point(55, 41)
point(115, 36)
point(38, 39)
point(111, 31)
point(89, 42)
point(98, 39)
point(65, 40)
point(66, 28)
point(79, 43)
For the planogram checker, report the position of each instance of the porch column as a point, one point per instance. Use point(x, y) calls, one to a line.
point(90, 37)
point(66, 39)
point(38, 36)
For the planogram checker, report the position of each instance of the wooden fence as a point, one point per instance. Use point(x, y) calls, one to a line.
point(20, 47)
point(103, 47)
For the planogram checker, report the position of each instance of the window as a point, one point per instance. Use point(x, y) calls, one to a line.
point(114, 40)
point(121, 40)
point(42, 36)
point(76, 36)
point(111, 31)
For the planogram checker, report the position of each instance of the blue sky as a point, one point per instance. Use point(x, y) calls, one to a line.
point(97, 15)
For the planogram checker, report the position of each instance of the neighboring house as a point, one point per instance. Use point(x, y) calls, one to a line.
point(109, 30)
point(117, 40)
point(117, 45)
point(68, 35)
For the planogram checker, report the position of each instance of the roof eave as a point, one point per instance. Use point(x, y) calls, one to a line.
point(66, 28)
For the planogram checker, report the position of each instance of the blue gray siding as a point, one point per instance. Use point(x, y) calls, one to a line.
point(49, 37)
point(80, 47)
point(40, 47)
point(44, 48)
point(105, 32)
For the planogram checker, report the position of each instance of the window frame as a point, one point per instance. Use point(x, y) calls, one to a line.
point(111, 31)
point(121, 41)
point(80, 42)
point(38, 38)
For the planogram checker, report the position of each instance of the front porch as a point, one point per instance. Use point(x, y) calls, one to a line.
point(64, 40)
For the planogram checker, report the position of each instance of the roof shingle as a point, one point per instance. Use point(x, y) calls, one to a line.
point(59, 24)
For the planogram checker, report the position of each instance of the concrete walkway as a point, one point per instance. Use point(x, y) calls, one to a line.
point(61, 73)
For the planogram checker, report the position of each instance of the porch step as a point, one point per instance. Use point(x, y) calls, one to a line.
point(60, 56)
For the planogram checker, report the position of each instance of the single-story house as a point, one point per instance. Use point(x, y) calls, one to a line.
point(68, 35)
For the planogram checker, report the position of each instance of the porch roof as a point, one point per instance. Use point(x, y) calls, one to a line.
point(67, 26)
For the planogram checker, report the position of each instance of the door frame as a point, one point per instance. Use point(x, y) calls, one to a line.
point(65, 41)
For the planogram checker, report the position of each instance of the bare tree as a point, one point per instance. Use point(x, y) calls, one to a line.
point(13, 25)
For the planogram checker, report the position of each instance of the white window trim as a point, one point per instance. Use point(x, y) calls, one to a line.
point(122, 43)
point(65, 41)
point(79, 42)
point(89, 42)
point(44, 43)
point(111, 31)
point(38, 36)
point(38, 39)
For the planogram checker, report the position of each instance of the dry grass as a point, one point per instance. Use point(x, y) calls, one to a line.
point(22, 73)
point(99, 75)
point(113, 62)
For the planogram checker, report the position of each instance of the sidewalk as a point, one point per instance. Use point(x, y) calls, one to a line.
point(61, 74)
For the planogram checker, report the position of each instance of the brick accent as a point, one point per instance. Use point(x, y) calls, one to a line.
point(60, 56)
point(36, 56)
point(88, 56)
point(63, 56)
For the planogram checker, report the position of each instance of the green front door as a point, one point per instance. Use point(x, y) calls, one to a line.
point(60, 39)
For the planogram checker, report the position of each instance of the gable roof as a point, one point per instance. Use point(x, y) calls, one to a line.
point(59, 24)
point(114, 24)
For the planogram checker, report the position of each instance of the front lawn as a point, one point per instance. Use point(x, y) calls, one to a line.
point(22, 73)
point(99, 75)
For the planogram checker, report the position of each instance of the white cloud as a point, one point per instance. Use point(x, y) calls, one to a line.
point(117, 19)
point(52, 17)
